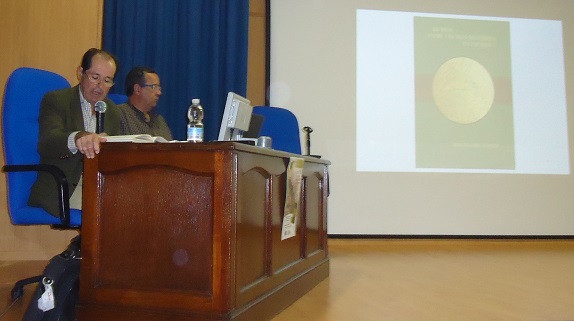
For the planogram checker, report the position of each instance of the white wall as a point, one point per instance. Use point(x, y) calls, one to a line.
point(313, 73)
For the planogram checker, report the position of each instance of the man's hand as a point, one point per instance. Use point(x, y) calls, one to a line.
point(89, 143)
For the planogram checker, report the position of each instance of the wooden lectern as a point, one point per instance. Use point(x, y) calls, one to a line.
point(185, 231)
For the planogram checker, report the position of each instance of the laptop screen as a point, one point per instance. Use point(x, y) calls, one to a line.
point(254, 126)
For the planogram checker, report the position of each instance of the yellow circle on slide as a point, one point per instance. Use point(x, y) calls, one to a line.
point(463, 90)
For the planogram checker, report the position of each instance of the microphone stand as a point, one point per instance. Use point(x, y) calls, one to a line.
point(308, 130)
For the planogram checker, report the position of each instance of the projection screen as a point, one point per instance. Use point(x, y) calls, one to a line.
point(440, 118)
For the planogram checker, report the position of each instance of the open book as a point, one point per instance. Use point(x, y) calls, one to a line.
point(141, 138)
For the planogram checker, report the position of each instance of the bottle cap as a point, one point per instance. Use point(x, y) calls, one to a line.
point(195, 101)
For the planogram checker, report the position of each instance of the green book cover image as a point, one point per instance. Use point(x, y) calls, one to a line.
point(463, 94)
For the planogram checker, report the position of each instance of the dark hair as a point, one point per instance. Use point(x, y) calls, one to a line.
point(137, 76)
point(89, 55)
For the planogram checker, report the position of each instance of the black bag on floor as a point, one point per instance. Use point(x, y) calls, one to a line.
point(62, 274)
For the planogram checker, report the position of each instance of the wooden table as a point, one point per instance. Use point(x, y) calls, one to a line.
point(185, 231)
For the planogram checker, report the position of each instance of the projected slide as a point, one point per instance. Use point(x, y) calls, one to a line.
point(446, 93)
point(462, 122)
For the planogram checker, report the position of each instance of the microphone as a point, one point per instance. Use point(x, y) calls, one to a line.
point(308, 130)
point(100, 108)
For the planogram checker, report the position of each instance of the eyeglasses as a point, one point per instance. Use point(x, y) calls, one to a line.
point(96, 79)
point(152, 86)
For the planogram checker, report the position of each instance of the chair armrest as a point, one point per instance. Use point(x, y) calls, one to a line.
point(61, 181)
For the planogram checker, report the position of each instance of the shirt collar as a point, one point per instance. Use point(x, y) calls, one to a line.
point(141, 113)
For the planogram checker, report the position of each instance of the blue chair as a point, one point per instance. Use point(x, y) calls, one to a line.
point(282, 126)
point(24, 91)
point(118, 98)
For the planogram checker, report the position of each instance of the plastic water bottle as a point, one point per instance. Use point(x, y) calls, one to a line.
point(195, 125)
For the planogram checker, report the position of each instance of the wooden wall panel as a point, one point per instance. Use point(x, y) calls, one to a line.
point(256, 83)
point(50, 35)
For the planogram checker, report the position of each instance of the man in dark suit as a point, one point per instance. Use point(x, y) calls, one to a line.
point(67, 128)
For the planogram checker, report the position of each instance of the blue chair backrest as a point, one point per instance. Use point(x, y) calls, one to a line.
point(118, 98)
point(25, 89)
point(282, 126)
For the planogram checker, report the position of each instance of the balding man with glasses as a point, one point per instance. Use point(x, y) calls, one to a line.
point(68, 128)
